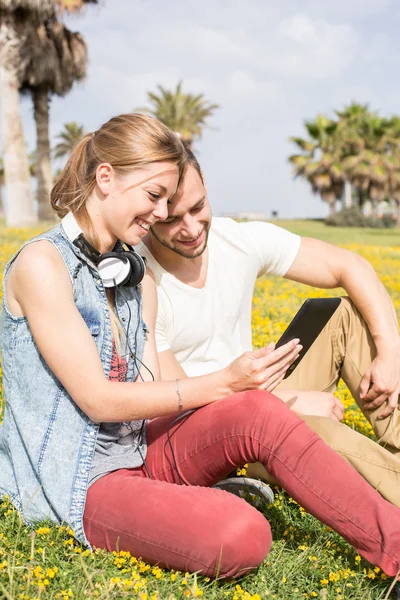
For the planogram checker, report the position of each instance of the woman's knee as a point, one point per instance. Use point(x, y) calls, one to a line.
point(244, 543)
point(256, 406)
point(254, 402)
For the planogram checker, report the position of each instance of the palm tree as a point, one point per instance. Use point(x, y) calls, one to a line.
point(320, 161)
point(57, 58)
point(71, 134)
point(14, 17)
point(72, 6)
point(370, 152)
point(18, 19)
point(186, 114)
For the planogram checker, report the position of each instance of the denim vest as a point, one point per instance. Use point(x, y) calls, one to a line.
point(47, 443)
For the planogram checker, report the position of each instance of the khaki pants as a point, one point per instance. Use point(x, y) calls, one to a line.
point(345, 349)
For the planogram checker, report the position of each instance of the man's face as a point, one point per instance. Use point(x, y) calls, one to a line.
point(185, 231)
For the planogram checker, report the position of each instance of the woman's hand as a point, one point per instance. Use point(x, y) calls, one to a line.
point(262, 369)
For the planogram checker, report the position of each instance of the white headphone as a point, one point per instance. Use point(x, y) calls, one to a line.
point(117, 268)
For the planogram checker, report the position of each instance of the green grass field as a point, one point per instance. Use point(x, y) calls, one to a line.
point(343, 235)
point(306, 561)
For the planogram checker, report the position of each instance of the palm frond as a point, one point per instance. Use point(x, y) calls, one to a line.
point(54, 58)
point(43, 8)
point(186, 114)
point(68, 137)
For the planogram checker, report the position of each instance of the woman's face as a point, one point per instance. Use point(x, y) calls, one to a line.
point(129, 204)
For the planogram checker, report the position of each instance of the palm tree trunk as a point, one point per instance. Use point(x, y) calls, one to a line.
point(347, 194)
point(43, 166)
point(396, 214)
point(20, 208)
point(330, 198)
point(374, 204)
point(188, 142)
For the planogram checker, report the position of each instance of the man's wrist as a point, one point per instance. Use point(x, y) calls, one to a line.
point(285, 395)
point(387, 343)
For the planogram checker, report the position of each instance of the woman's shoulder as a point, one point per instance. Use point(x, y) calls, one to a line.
point(37, 274)
point(39, 259)
point(38, 252)
point(44, 251)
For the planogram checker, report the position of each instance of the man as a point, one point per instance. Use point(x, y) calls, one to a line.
point(205, 270)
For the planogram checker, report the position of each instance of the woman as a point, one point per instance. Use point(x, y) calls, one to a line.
point(78, 359)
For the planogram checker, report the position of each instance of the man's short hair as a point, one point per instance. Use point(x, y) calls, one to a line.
point(191, 161)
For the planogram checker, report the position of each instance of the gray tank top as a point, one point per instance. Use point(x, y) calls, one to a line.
point(118, 445)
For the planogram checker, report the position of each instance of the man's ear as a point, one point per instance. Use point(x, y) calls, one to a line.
point(104, 176)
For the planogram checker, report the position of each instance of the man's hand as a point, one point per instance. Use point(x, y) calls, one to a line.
point(381, 382)
point(319, 404)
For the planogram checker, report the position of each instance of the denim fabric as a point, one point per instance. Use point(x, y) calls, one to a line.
point(46, 442)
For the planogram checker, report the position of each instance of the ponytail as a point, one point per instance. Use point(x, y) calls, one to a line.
point(126, 142)
point(72, 188)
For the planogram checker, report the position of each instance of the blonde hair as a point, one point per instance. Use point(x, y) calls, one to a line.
point(127, 142)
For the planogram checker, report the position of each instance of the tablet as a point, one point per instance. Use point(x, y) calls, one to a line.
point(307, 324)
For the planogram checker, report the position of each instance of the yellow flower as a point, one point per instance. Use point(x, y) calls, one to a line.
point(43, 530)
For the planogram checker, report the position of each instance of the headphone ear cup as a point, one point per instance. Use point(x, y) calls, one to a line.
point(138, 268)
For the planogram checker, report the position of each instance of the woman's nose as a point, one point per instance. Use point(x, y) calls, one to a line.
point(161, 209)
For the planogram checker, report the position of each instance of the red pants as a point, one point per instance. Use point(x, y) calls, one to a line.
point(194, 528)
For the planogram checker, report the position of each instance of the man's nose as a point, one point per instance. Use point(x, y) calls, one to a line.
point(190, 226)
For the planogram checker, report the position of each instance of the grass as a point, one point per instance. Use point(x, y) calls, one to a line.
point(340, 235)
point(307, 560)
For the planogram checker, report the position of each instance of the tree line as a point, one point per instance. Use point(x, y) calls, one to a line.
point(354, 157)
point(40, 57)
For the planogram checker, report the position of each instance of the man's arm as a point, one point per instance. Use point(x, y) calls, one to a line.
point(170, 367)
point(150, 364)
point(321, 265)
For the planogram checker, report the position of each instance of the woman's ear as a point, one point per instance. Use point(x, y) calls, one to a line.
point(104, 176)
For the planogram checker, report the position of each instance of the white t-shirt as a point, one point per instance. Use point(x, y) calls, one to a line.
point(208, 328)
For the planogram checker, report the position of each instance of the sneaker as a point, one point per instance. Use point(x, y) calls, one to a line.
point(395, 593)
point(245, 487)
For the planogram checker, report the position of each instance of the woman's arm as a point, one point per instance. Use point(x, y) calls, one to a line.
point(150, 305)
point(41, 286)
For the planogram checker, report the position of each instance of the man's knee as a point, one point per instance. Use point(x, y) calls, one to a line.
point(351, 314)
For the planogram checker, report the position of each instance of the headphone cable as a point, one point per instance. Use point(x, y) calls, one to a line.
point(135, 358)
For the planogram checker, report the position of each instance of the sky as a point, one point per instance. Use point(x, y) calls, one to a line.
point(269, 65)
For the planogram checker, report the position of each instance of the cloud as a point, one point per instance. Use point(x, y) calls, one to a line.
point(269, 65)
point(348, 9)
point(314, 48)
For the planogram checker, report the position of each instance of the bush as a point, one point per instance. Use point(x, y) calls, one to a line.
point(347, 217)
point(353, 217)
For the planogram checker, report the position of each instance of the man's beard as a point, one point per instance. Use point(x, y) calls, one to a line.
point(198, 252)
